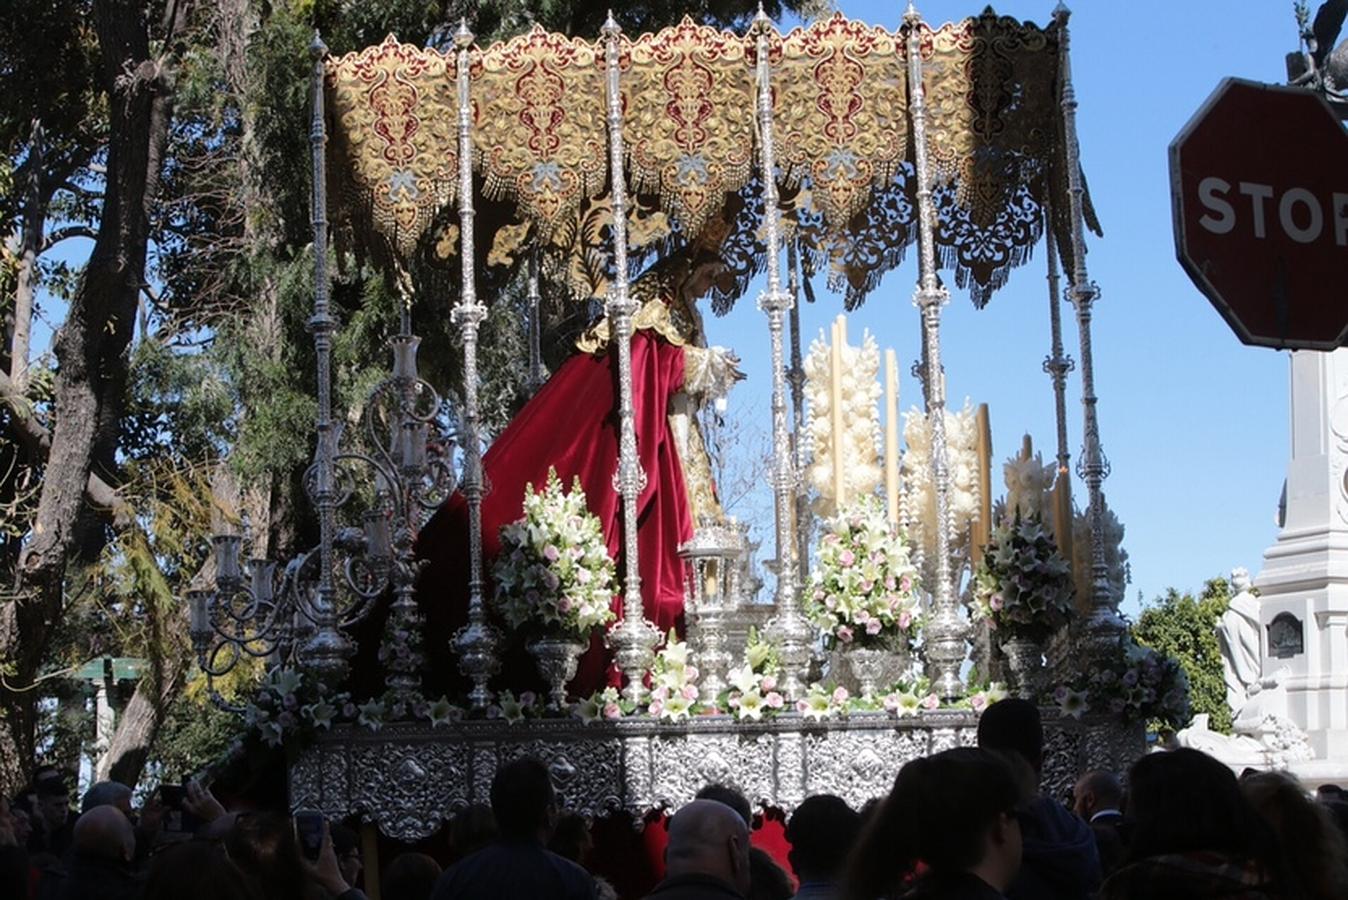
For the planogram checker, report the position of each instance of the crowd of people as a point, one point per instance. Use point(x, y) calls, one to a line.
point(967, 824)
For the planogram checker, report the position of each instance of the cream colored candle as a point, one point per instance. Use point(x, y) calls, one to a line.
point(835, 384)
point(892, 436)
point(983, 530)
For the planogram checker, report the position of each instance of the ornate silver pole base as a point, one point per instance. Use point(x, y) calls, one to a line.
point(478, 647)
point(633, 642)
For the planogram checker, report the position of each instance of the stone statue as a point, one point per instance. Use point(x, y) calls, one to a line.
point(1238, 637)
point(1263, 733)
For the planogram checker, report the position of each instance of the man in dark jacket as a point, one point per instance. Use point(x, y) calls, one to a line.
point(517, 866)
point(103, 846)
point(707, 857)
point(1059, 860)
point(1097, 798)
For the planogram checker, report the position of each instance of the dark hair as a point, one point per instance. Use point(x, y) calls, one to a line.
point(104, 793)
point(724, 793)
point(196, 870)
point(767, 880)
point(822, 831)
point(51, 786)
point(521, 797)
point(1184, 801)
point(1013, 724)
point(471, 829)
point(410, 876)
point(570, 837)
point(1313, 847)
point(939, 811)
point(262, 845)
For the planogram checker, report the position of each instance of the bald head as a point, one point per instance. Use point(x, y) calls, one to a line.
point(1096, 791)
point(709, 838)
point(105, 832)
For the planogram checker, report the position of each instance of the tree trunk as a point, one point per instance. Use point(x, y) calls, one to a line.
point(30, 246)
point(91, 345)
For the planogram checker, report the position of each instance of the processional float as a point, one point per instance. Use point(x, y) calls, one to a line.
point(828, 149)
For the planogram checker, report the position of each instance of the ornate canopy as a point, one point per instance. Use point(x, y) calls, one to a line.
point(840, 115)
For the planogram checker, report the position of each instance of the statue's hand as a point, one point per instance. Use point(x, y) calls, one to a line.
point(711, 371)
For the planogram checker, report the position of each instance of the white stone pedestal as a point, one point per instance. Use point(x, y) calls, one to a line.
point(1304, 582)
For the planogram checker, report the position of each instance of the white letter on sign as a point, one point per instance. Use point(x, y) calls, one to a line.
point(1257, 193)
point(1341, 219)
point(1210, 190)
point(1311, 231)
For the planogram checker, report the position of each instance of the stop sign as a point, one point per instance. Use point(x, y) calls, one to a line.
point(1259, 189)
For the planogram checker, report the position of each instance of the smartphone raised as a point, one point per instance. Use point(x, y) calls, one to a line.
point(309, 833)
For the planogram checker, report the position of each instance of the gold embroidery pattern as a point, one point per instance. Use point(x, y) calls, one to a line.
point(540, 136)
point(389, 106)
point(840, 112)
point(689, 119)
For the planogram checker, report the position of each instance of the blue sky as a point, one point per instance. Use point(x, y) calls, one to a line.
point(1193, 422)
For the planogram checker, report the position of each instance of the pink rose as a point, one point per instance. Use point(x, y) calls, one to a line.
point(931, 701)
point(873, 626)
point(891, 702)
point(979, 701)
point(995, 602)
point(905, 619)
point(733, 701)
point(802, 706)
point(844, 634)
point(551, 553)
point(564, 605)
point(528, 698)
point(774, 700)
point(867, 586)
point(769, 683)
point(905, 584)
point(689, 692)
point(656, 707)
point(690, 673)
point(847, 557)
point(840, 694)
point(830, 603)
point(612, 711)
point(661, 693)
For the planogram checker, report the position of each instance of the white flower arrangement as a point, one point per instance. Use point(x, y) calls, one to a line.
point(1029, 483)
point(821, 702)
point(863, 590)
point(918, 485)
point(753, 684)
point(674, 690)
point(554, 573)
point(860, 440)
point(1023, 586)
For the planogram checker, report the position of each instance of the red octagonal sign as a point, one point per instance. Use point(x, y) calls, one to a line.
point(1259, 186)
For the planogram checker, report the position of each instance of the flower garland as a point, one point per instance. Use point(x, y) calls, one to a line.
point(674, 690)
point(859, 443)
point(1023, 586)
point(864, 590)
point(1136, 684)
point(554, 573)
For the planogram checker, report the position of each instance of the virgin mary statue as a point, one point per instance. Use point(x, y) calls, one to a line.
point(571, 425)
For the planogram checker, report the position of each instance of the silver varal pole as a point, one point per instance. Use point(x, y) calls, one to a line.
point(946, 632)
point(537, 373)
point(788, 628)
point(1057, 364)
point(797, 379)
point(1103, 627)
point(477, 643)
point(327, 651)
point(634, 638)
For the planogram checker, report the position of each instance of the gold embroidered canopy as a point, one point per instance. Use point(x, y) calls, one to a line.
point(843, 147)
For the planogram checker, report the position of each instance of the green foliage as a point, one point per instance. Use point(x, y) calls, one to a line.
point(1184, 627)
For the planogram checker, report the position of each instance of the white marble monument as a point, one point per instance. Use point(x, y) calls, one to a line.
point(1303, 586)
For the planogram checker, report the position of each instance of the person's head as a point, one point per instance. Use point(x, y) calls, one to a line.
point(104, 833)
point(1095, 791)
point(523, 801)
point(410, 876)
point(346, 846)
point(954, 811)
point(1013, 725)
point(21, 818)
point(53, 801)
point(821, 831)
point(724, 793)
point(107, 793)
point(262, 845)
point(707, 837)
point(767, 880)
point(704, 270)
point(1184, 801)
point(1313, 846)
point(471, 829)
point(196, 870)
point(1330, 792)
point(571, 838)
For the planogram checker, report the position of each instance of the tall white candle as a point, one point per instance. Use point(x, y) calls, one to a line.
point(892, 436)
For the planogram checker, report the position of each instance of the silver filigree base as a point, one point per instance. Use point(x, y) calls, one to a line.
point(868, 668)
point(1025, 665)
point(557, 659)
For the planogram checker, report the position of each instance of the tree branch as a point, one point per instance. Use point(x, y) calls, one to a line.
point(65, 232)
